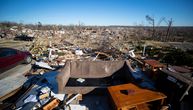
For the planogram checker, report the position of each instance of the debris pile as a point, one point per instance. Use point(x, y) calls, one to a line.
point(51, 51)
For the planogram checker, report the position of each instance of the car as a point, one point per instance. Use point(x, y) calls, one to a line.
point(24, 38)
point(10, 57)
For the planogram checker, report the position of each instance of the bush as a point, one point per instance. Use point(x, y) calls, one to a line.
point(178, 57)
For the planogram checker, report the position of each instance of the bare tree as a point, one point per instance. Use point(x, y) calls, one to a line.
point(169, 23)
point(39, 25)
point(151, 21)
point(159, 32)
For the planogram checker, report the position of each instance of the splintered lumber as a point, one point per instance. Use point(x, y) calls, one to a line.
point(51, 105)
point(178, 76)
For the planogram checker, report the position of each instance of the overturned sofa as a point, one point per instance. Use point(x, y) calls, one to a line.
point(94, 74)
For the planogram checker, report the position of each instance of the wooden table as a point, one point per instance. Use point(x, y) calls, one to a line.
point(129, 96)
point(154, 64)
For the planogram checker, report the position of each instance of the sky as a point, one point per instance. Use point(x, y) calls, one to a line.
point(96, 12)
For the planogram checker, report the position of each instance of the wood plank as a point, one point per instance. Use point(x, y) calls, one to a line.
point(13, 79)
point(182, 78)
point(20, 69)
point(8, 85)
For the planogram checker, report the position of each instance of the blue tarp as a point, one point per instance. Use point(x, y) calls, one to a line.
point(144, 80)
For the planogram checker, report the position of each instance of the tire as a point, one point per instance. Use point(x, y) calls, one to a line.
point(28, 60)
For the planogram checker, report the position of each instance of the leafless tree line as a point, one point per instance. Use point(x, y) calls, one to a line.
point(155, 29)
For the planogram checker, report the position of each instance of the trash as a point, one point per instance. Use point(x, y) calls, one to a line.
point(44, 101)
point(51, 105)
point(58, 96)
point(69, 101)
point(172, 70)
point(19, 108)
point(31, 98)
point(51, 56)
point(78, 52)
point(102, 56)
point(43, 96)
point(131, 53)
point(81, 80)
point(37, 106)
point(95, 57)
point(61, 64)
point(45, 90)
point(54, 46)
point(76, 107)
point(44, 65)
